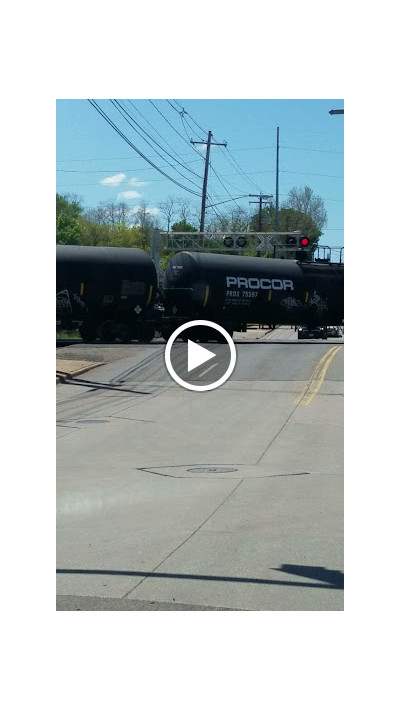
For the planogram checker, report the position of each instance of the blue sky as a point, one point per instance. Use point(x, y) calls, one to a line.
point(95, 163)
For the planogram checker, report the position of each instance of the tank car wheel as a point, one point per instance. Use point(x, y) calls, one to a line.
point(145, 332)
point(88, 332)
point(108, 332)
point(124, 333)
point(166, 333)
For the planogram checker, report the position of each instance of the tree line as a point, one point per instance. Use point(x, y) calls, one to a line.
point(112, 224)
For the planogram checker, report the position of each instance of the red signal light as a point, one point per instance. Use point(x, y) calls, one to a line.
point(304, 242)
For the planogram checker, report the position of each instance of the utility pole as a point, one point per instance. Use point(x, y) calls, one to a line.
point(260, 201)
point(204, 198)
point(277, 183)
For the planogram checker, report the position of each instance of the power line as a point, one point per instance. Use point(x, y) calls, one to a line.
point(120, 108)
point(168, 122)
point(173, 107)
point(159, 134)
point(120, 133)
point(108, 170)
point(184, 112)
point(233, 150)
point(313, 150)
point(241, 173)
point(193, 131)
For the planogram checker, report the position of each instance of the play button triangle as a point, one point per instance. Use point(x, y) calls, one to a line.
point(197, 355)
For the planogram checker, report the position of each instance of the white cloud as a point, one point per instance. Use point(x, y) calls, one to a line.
point(136, 183)
point(113, 179)
point(151, 210)
point(128, 195)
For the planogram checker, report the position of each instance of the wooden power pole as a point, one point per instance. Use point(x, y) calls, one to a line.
point(204, 198)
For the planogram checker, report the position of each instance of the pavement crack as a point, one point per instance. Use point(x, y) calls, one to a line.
point(187, 538)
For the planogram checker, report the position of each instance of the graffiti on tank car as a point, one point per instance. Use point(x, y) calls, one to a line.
point(254, 283)
point(289, 302)
point(63, 301)
point(79, 301)
point(320, 304)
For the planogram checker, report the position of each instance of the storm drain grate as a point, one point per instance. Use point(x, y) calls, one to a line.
point(211, 470)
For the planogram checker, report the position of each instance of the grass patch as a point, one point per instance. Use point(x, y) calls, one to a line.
point(70, 335)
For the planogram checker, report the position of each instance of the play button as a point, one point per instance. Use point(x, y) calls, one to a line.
point(197, 355)
point(200, 367)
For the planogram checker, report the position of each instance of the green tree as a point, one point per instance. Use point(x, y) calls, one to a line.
point(68, 230)
point(304, 200)
point(183, 226)
point(267, 220)
point(125, 236)
point(234, 220)
point(93, 234)
point(109, 213)
point(289, 220)
point(69, 205)
point(121, 236)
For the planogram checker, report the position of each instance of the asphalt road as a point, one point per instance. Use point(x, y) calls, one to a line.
point(224, 500)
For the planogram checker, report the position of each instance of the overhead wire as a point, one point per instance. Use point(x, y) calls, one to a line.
point(168, 122)
point(173, 107)
point(126, 139)
point(181, 114)
point(195, 132)
point(121, 109)
point(102, 170)
point(159, 134)
point(191, 118)
point(184, 113)
point(240, 169)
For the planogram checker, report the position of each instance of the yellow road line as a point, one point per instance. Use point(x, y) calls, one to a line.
point(206, 296)
point(317, 378)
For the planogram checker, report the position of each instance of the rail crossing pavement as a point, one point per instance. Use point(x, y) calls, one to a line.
point(172, 499)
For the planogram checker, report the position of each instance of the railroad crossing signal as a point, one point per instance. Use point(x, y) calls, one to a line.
point(218, 241)
point(297, 240)
point(233, 241)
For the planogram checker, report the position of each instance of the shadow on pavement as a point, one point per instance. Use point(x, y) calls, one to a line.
point(328, 579)
point(334, 578)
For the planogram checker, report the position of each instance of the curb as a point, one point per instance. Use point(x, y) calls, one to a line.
point(61, 376)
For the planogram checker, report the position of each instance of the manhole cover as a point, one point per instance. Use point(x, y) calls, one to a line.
point(211, 470)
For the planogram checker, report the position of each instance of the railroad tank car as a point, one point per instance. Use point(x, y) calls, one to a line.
point(234, 291)
point(108, 292)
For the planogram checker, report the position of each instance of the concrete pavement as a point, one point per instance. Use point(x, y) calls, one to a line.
point(231, 499)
